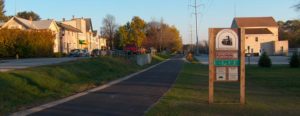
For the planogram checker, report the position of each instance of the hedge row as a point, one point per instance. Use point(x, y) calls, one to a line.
point(33, 43)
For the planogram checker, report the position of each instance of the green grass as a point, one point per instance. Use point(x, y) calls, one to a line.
point(269, 91)
point(30, 87)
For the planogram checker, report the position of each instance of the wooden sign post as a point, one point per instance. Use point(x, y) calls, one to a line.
point(226, 59)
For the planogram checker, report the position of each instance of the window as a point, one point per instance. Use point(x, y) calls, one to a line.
point(248, 49)
point(256, 39)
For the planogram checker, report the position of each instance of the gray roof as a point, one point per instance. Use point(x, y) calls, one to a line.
point(68, 27)
point(25, 22)
point(42, 24)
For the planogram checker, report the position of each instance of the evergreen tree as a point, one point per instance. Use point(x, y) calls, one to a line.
point(295, 61)
point(29, 15)
point(264, 60)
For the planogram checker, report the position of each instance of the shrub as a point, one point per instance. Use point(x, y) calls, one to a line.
point(31, 43)
point(264, 60)
point(59, 55)
point(295, 61)
point(190, 57)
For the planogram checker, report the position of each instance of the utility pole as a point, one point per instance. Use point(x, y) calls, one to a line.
point(195, 6)
point(191, 46)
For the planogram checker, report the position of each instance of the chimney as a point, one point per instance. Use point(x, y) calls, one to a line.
point(63, 19)
point(73, 16)
point(30, 20)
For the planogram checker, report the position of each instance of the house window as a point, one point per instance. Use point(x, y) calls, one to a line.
point(256, 39)
point(248, 49)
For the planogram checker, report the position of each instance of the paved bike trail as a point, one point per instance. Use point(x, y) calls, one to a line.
point(131, 97)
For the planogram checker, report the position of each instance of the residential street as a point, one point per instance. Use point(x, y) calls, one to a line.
point(7, 65)
point(131, 97)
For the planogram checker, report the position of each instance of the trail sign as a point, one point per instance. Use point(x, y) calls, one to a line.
point(226, 58)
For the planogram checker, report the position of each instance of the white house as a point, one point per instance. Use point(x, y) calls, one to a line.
point(261, 35)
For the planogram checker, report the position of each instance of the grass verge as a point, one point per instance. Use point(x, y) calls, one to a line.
point(26, 88)
point(269, 91)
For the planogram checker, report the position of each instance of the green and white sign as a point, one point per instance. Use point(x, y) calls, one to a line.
point(222, 63)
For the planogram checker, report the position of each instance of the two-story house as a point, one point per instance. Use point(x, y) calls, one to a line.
point(24, 24)
point(85, 26)
point(261, 35)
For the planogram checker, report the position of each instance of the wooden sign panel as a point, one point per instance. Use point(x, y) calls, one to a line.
point(226, 58)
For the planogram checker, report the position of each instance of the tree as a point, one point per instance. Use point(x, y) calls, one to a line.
point(295, 61)
point(108, 30)
point(138, 30)
point(290, 30)
point(264, 61)
point(162, 36)
point(2, 11)
point(29, 15)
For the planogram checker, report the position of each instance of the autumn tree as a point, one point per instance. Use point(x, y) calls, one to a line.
point(29, 15)
point(162, 37)
point(138, 30)
point(108, 30)
point(132, 33)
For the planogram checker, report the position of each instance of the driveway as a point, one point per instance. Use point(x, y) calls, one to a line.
point(7, 65)
point(132, 97)
point(253, 60)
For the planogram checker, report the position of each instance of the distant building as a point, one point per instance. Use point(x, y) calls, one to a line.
point(86, 27)
point(69, 37)
point(24, 24)
point(261, 35)
point(76, 33)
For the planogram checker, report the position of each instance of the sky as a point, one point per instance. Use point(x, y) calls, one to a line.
point(212, 13)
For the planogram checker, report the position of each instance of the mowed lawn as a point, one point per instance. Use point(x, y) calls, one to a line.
point(25, 88)
point(269, 91)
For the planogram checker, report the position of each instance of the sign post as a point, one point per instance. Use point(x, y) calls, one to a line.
point(226, 59)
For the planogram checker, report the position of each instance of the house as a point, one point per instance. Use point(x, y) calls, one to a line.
point(86, 28)
point(69, 37)
point(77, 33)
point(24, 24)
point(261, 35)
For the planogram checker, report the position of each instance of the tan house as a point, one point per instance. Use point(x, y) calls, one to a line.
point(24, 24)
point(69, 37)
point(85, 26)
point(261, 35)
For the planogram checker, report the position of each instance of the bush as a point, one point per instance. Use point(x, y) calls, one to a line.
point(264, 60)
point(59, 55)
point(295, 61)
point(32, 43)
point(190, 57)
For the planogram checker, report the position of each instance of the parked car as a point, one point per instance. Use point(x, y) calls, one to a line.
point(85, 53)
point(79, 53)
point(96, 52)
point(75, 53)
point(131, 49)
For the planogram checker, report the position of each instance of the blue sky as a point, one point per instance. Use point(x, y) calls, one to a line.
point(215, 13)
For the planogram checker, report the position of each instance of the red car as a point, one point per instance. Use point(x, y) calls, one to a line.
point(131, 48)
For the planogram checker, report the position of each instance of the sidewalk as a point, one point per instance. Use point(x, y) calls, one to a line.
point(131, 97)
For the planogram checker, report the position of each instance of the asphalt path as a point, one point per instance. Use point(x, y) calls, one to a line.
point(132, 97)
